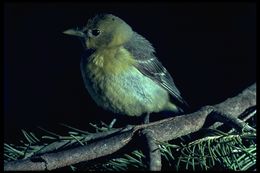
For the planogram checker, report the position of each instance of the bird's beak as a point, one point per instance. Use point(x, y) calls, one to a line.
point(74, 32)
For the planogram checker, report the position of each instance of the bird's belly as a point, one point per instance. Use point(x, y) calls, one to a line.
point(129, 93)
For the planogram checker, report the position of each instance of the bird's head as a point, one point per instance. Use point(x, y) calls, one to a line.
point(103, 31)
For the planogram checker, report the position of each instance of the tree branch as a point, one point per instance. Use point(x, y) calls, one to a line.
point(153, 153)
point(163, 130)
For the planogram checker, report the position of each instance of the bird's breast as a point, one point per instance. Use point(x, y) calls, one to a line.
point(110, 61)
point(115, 84)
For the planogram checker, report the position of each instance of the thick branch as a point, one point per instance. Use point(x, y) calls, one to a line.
point(163, 130)
point(64, 158)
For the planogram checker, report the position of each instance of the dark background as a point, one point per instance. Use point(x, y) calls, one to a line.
point(209, 48)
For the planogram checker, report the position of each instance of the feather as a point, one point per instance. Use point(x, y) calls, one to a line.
point(150, 66)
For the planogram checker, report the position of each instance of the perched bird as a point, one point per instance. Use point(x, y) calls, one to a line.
point(122, 74)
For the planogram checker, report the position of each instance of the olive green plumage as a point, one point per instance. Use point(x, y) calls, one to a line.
point(122, 74)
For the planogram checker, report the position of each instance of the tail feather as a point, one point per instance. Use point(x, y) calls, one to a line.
point(172, 107)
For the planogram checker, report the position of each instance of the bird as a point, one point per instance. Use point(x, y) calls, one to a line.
point(121, 71)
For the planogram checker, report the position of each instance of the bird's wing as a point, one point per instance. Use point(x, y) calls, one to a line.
point(148, 64)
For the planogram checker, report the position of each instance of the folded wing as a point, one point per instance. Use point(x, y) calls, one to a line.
point(150, 66)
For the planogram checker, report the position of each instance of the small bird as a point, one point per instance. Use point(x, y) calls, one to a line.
point(122, 74)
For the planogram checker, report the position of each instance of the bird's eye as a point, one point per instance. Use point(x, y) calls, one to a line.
point(95, 32)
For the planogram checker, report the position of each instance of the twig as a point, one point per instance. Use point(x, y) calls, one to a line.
point(233, 121)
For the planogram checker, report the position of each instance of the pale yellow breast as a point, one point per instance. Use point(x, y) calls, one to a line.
point(115, 84)
point(110, 61)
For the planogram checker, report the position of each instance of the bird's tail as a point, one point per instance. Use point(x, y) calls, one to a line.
point(174, 108)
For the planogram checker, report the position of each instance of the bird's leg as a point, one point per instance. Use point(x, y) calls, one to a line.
point(146, 118)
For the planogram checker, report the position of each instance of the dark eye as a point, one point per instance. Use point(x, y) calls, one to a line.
point(95, 32)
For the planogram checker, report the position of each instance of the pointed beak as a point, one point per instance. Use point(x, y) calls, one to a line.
point(74, 32)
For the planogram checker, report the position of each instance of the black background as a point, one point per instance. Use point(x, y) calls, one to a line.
point(209, 48)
